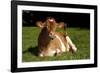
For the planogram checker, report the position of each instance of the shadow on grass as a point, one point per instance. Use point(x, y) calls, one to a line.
point(32, 50)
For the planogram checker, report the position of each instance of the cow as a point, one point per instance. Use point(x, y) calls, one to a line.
point(51, 42)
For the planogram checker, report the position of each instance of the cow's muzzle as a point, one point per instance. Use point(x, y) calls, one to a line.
point(52, 35)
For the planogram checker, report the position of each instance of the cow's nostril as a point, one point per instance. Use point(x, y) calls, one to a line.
point(52, 38)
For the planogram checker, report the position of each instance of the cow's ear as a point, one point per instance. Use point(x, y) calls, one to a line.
point(61, 25)
point(40, 24)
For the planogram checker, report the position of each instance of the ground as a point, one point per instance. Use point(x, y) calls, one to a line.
point(79, 36)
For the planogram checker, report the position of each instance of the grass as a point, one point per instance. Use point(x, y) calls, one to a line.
point(79, 36)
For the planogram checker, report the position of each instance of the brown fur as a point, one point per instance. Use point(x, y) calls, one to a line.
point(48, 43)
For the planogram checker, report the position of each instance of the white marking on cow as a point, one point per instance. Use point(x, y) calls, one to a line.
point(58, 50)
point(51, 20)
point(62, 44)
point(41, 55)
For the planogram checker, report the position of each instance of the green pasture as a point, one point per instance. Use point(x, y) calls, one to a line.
point(79, 36)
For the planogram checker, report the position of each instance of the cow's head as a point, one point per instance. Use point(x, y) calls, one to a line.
point(50, 25)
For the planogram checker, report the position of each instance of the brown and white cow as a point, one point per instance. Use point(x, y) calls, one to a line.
point(50, 42)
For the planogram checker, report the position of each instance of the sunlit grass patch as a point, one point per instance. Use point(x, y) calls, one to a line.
point(80, 37)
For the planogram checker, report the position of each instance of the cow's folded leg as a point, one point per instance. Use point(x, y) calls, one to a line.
point(71, 45)
point(68, 47)
point(58, 51)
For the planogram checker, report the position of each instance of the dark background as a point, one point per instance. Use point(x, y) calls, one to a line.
point(81, 20)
